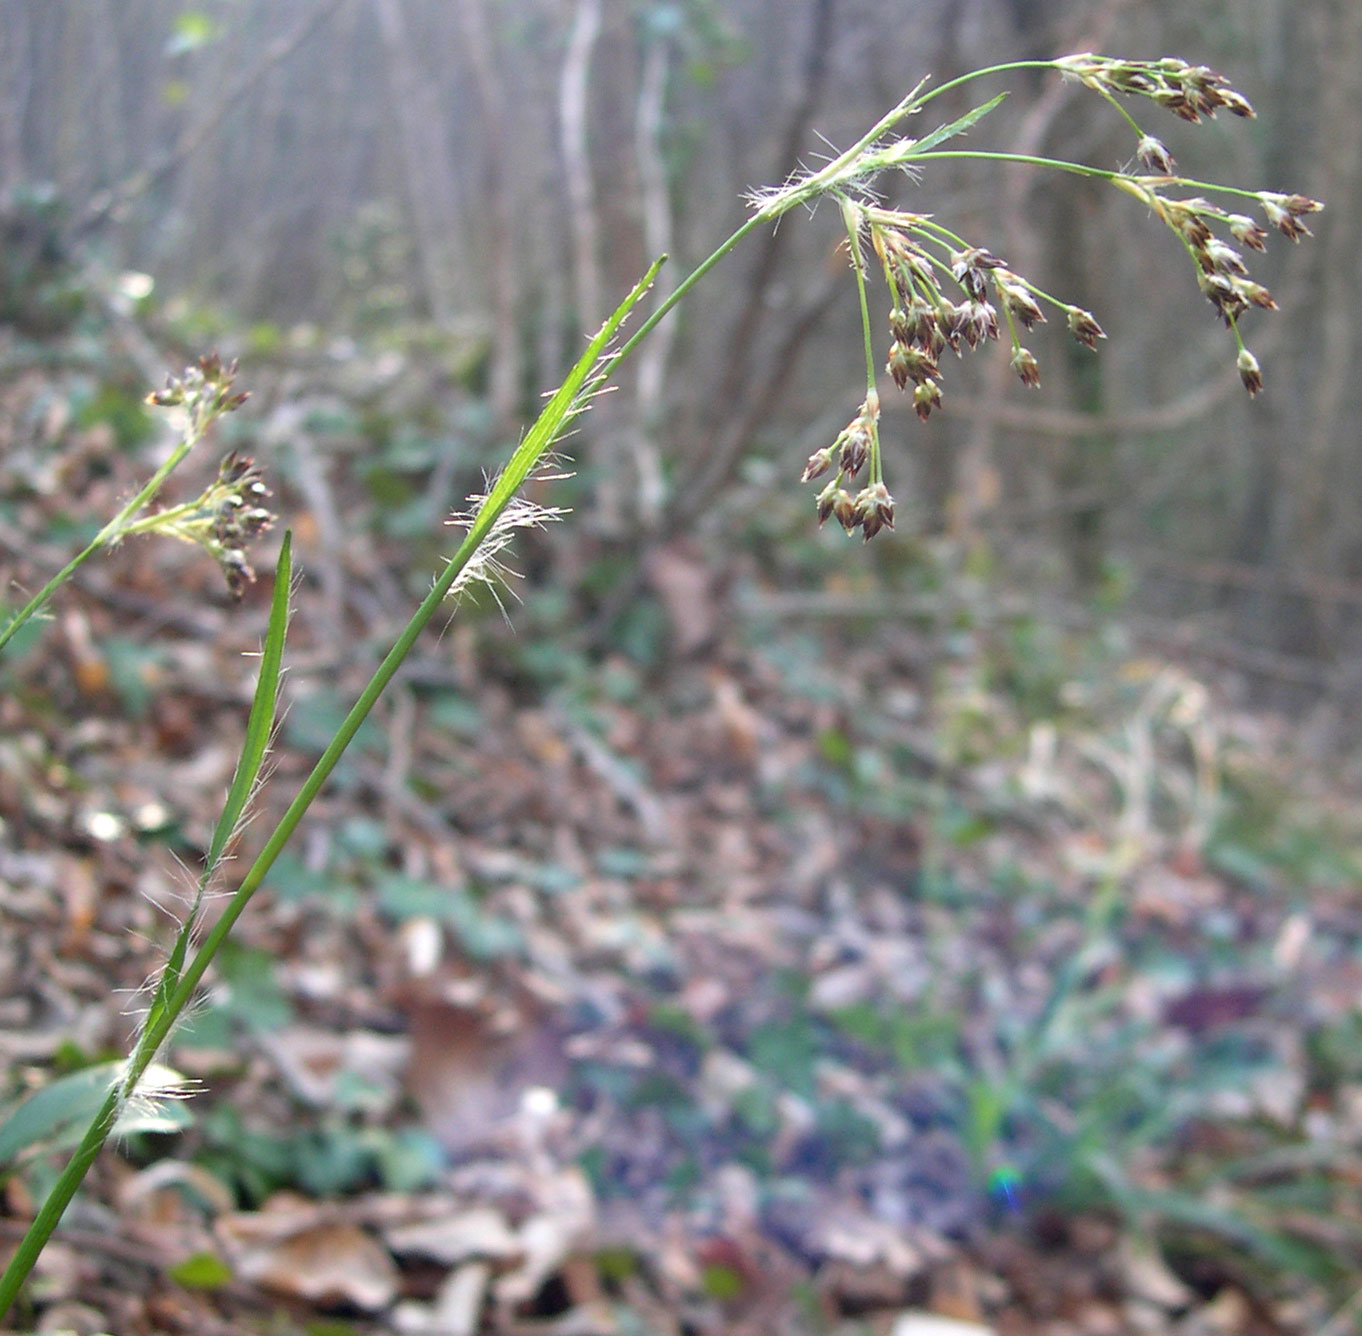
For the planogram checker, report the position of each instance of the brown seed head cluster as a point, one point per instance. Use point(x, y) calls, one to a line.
point(871, 508)
point(947, 294)
point(205, 390)
point(231, 512)
point(954, 298)
point(224, 520)
point(1285, 212)
point(1188, 91)
point(1222, 274)
point(237, 515)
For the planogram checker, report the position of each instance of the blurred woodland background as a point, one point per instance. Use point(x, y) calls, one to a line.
point(753, 932)
point(484, 179)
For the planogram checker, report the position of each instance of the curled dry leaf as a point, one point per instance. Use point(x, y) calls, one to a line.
point(324, 1264)
point(568, 1212)
point(480, 1231)
point(930, 1324)
point(457, 1307)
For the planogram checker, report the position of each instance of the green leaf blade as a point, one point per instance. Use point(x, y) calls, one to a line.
point(260, 723)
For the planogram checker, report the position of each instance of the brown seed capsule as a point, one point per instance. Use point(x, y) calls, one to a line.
point(846, 510)
point(921, 365)
point(1249, 372)
point(1283, 218)
point(1154, 157)
point(1223, 259)
point(1223, 293)
point(897, 366)
point(827, 499)
point(1018, 300)
point(1192, 227)
point(1026, 367)
point(953, 320)
point(920, 323)
point(982, 323)
point(1176, 101)
point(1084, 328)
point(876, 509)
point(819, 463)
point(855, 451)
point(969, 268)
point(1247, 232)
point(1299, 204)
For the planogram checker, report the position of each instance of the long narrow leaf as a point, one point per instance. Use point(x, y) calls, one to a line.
point(567, 401)
point(945, 132)
point(55, 1117)
point(260, 724)
point(259, 729)
point(585, 378)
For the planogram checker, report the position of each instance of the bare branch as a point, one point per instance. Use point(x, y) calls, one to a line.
point(111, 203)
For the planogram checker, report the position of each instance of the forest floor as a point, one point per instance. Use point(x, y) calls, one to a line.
point(778, 967)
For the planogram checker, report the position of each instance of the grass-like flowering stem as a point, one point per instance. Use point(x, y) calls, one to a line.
point(178, 988)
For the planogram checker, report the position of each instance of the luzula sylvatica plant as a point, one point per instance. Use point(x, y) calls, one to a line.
point(947, 293)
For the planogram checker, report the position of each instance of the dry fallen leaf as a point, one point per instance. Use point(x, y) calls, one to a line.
point(930, 1324)
point(685, 584)
point(567, 1214)
point(324, 1264)
point(455, 1312)
point(1145, 1275)
point(480, 1231)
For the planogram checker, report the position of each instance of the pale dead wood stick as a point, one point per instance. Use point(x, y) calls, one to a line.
point(109, 203)
point(657, 228)
point(572, 109)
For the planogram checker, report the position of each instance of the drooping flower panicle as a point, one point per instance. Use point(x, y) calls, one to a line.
point(224, 519)
point(231, 512)
point(1188, 91)
point(948, 293)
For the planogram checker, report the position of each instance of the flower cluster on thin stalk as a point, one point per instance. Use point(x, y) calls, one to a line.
point(231, 513)
point(1208, 231)
point(950, 295)
point(224, 519)
point(871, 508)
point(204, 391)
point(947, 296)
